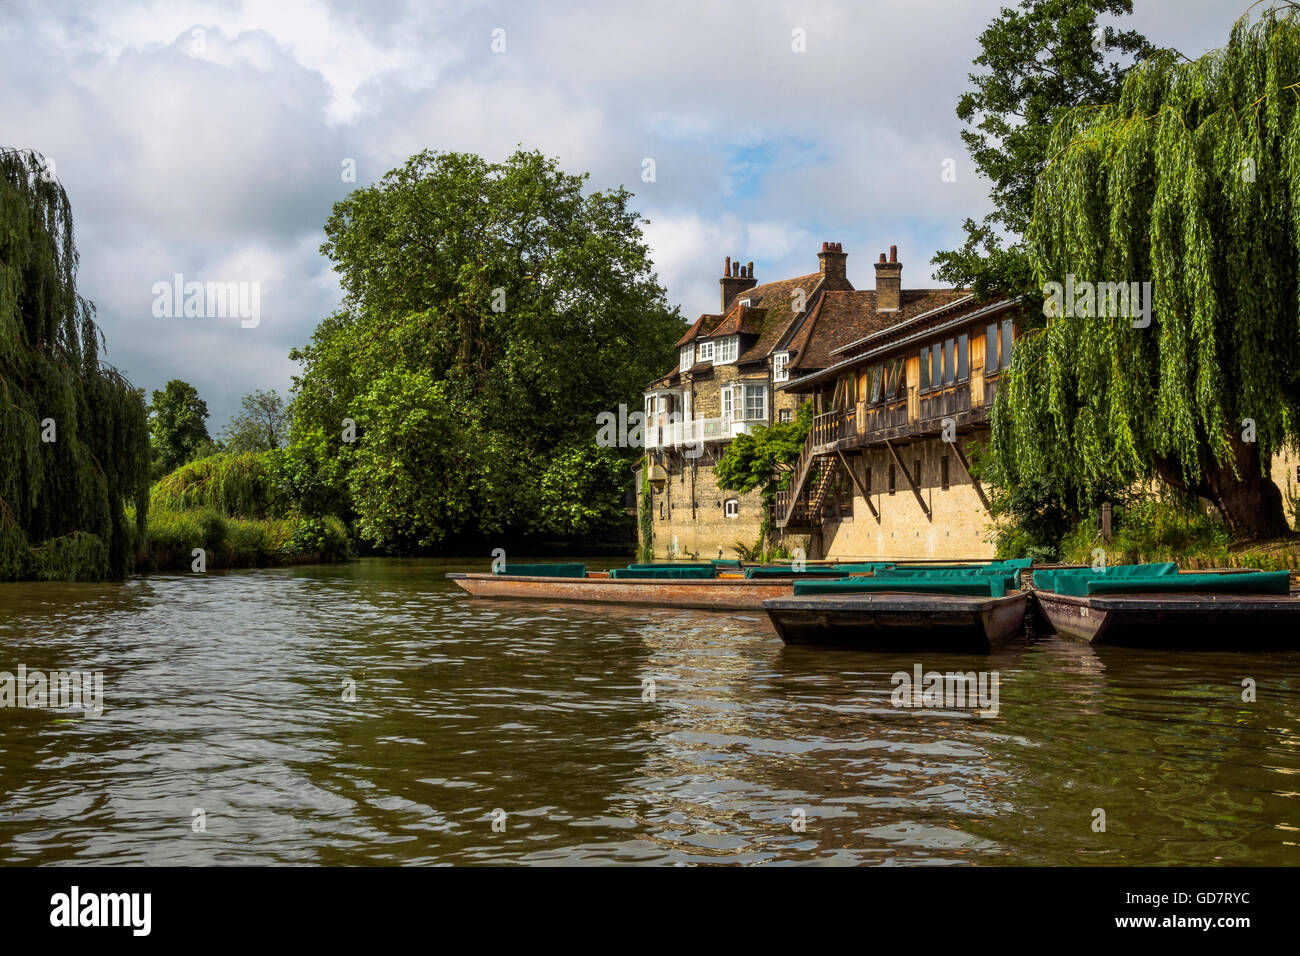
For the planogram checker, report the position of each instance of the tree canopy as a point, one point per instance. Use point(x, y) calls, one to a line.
point(1039, 59)
point(261, 424)
point(178, 421)
point(1191, 181)
point(73, 430)
point(491, 311)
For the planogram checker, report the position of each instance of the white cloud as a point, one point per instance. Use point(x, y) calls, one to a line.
point(224, 163)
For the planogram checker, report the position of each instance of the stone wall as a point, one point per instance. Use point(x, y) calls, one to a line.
point(958, 526)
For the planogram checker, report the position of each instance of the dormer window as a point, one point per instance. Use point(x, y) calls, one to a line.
point(749, 303)
point(705, 350)
point(728, 350)
point(687, 357)
point(780, 367)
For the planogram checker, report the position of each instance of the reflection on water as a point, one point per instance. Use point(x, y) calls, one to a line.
point(225, 693)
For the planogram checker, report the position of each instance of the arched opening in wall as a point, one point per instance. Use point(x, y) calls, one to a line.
point(731, 508)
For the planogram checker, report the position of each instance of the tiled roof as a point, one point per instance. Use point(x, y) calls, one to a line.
point(700, 326)
point(840, 318)
point(777, 294)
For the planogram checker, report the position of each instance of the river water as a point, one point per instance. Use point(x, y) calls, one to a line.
point(370, 713)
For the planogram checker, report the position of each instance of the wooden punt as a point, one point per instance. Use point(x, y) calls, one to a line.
point(719, 594)
point(1222, 621)
point(898, 621)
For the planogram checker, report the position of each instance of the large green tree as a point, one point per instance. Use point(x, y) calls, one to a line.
point(178, 420)
point(1190, 181)
point(73, 431)
point(1038, 60)
point(491, 312)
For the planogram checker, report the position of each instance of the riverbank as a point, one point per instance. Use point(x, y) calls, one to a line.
point(1278, 554)
point(172, 537)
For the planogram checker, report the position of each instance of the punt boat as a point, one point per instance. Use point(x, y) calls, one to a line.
point(721, 586)
point(970, 610)
point(1156, 606)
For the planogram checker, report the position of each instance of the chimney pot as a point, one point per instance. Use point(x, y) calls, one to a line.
point(826, 246)
point(736, 278)
point(726, 267)
point(889, 282)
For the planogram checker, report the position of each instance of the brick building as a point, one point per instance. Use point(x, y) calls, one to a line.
point(901, 382)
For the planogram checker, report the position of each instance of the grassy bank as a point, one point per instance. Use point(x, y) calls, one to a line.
point(228, 542)
point(1165, 530)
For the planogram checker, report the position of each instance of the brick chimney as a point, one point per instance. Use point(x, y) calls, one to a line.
point(736, 279)
point(832, 258)
point(889, 282)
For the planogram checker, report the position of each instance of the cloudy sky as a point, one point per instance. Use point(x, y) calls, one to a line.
point(209, 138)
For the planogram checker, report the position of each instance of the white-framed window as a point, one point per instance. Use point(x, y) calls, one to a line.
point(731, 508)
point(780, 371)
point(649, 406)
point(783, 415)
point(687, 358)
point(728, 395)
point(755, 403)
point(661, 404)
point(728, 350)
point(706, 351)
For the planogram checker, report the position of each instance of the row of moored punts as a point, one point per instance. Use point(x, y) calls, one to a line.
point(973, 607)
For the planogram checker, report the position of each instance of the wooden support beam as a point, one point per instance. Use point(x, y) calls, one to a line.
point(910, 481)
point(979, 490)
point(866, 495)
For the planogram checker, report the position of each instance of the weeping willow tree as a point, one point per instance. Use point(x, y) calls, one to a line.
point(1191, 182)
point(74, 442)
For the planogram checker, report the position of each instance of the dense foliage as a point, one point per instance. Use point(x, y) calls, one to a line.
point(178, 423)
point(492, 311)
point(73, 430)
point(243, 485)
point(1038, 60)
point(1190, 181)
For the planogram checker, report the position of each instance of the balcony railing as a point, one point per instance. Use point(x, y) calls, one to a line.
point(831, 427)
point(951, 401)
point(695, 432)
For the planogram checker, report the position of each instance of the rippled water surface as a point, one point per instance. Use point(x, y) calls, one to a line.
point(224, 693)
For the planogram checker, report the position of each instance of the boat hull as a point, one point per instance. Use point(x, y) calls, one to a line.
point(733, 594)
point(1220, 621)
point(896, 621)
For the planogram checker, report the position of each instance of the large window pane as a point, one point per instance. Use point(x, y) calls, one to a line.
point(991, 349)
point(949, 363)
point(963, 357)
point(1006, 343)
point(925, 368)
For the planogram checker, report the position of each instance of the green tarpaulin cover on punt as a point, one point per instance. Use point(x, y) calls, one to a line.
point(545, 570)
point(943, 572)
point(863, 567)
point(1264, 582)
point(1046, 580)
point(985, 585)
point(653, 566)
point(664, 573)
point(788, 572)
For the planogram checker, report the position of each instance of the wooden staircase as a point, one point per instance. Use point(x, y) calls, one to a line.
point(801, 503)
